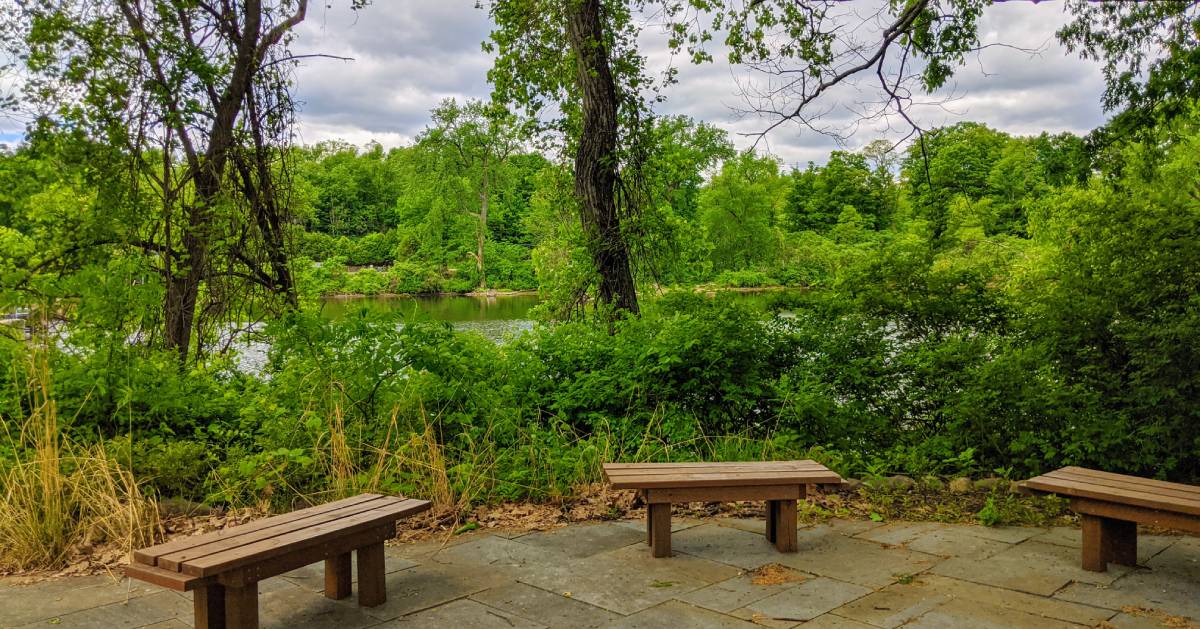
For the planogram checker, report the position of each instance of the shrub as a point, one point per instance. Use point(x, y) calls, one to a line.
point(744, 279)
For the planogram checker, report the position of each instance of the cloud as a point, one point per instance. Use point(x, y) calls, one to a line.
point(408, 56)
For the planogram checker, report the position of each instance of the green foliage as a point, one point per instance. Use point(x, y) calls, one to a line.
point(738, 210)
point(744, 279)
point(820, 193)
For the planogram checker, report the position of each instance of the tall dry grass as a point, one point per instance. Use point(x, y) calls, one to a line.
point(59, 497)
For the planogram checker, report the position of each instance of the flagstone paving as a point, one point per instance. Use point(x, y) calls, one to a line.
point(846, 575)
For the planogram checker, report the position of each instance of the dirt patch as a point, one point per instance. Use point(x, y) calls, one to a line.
point(1167, 620)
point(776, 574)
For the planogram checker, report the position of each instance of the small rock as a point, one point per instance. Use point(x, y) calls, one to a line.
point(989, 483)
point(933, 483)
point(961, 485)
point(900, 481)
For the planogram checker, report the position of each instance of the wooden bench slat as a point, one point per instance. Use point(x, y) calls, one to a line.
point(765, 465)
point(1124, 496)
point(666, 471)
point(1130, 513)
point(164, 578)
point(149, 555)
point(1165, 493)
point(237, 538)
point(294, 541)
point(1149, 483)
point(724, 480)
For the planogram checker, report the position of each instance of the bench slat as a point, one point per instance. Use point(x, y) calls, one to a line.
point(296, 519)
point(163, 578)
point(668, 471)
point(723, 480)
point(297, 540)
point(173, 561)
point(734, 474)
point(1111, 494)
point(1165, 493)
point(762, 465)
point(1148, 483)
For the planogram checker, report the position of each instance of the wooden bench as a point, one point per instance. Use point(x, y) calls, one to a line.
point(779, 483)
point(1111, 506)
point(222, 569)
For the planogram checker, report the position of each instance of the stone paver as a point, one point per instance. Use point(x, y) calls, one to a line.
point(136, 612)
point(956, 541)
point(858, 561)
point(21, 605)
point(852, 575)
point(899, 533)
point(417, 589)
point(296, 606)
point(734, 593)
point(957, 614)
point(555, 610)
point(585, 540)
point(677, 614)
point(803, 602)
point(1170, 581)
point(1034, 567)
point(628, 580)
point(905, 602)
point(463, 613)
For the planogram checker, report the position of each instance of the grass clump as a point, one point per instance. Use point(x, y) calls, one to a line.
point(59, 498)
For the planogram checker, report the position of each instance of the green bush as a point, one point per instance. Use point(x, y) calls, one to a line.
point(173, 468)
point(744, 279)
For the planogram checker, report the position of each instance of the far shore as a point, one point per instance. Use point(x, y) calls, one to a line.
point(706, 289)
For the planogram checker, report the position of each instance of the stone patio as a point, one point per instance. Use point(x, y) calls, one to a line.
point(851, 575)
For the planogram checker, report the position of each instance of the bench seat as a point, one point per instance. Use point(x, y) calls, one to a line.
point(779, 483)
point(223, 568)
point(1111, 506)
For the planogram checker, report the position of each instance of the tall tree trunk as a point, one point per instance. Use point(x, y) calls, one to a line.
point(208, 170)
point(481, 229)
point(596, 156)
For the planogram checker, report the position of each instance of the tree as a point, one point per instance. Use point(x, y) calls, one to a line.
point(805, 50)
point(738, 210)
point(1151, 55)
point(820, 193)
point(596, 80)
point(1016, 180)
point(951, 161)
point(479, 139)
point(196, 95)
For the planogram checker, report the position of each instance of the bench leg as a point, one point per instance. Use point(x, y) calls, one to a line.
point(1105, 540)
point(371, 588)
point(660, 526)
point(337, 577)
point(208, 602)
point(772, 518)
point(785, 526)
point(241, 607)
point(649, 526)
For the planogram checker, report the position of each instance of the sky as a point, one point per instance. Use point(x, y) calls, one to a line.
point(408, 55)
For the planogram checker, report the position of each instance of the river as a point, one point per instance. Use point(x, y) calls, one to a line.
point(496, 317)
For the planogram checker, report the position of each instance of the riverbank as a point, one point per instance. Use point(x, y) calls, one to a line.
point(474, 293)
point(707, 289)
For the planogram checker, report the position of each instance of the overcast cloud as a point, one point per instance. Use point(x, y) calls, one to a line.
point(409, 55)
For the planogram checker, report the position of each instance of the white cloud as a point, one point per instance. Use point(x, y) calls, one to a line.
point(408, 56)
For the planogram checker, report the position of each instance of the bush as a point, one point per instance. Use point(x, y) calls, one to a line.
point(744, 279)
